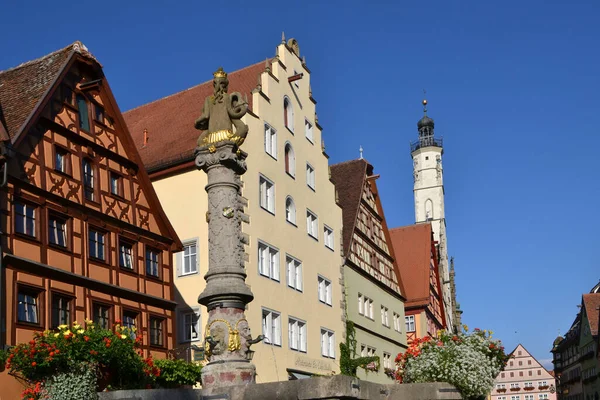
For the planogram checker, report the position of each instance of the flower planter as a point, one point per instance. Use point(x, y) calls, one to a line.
point(501, 390)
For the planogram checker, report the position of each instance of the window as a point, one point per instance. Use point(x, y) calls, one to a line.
point(539, 372)
point(520, 363)
point(501, 386)
point(288, 114)
point(156, 331)
point(27, 307)
point(328, 237)
point(271, 141)
point(530, 373)
point(67, 94)
point(116, 184)
point(327, 343)
point(528, 362)
point(384, 316)
point(361, 304)
point(543, 396)
point(188, 258)
point(512, 374)
point(61, 310)
point(325, 290)
point(267, 194)
point(88, 179)
point(502, 375)
point(290, 210)
point(190, 326)
point(310, 176)
point(101, 315)
point(24, 218)
point(268, 261)
point(271, 327)
point(397, 323)
point(290, 160)
point(125, 255)
point(528, 384)
point(368, 308)
point(297, 334)
point(520, 373)
point(57, 230)
point(96, 242)
point(514, 385)
point(410, 323)
point(130, 322)
point(82, 107)
point(312, 224)
point(387, 360)
point(294, 273)
point(61, 160)
point(308, 130)
point(99, 113)
point(515, 397)
point(152, 257)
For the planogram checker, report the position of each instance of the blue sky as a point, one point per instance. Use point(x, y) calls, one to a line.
point(513, 87)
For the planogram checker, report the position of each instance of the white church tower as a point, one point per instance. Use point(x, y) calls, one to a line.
point(428, 175)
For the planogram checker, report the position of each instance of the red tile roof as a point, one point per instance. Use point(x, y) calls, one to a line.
point(22, 88)
point(591, 302)
point(170, 120)
point(349, 179)
point(412, 246)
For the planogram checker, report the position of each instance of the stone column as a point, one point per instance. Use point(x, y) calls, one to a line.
point(227, 334)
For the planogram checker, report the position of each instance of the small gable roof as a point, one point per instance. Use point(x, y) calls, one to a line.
point(23, 88)
point(591, 303)
point(412, 247)
point(170, 121)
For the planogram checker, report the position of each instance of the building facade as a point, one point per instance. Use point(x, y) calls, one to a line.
point(84, 233)
point(373, 290)
point(417, 258)
point(293, 229)
point(426, 153)
point(524, 378)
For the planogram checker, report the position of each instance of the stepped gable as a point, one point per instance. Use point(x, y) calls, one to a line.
point(169, 122)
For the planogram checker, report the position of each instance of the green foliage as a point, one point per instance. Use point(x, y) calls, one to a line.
point(176, 373)
point(3, 357)
point(76, 385)
point(348, 364)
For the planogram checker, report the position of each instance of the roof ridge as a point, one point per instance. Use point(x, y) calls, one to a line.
point(348, 162)
point(188, 89)
point(76, 46)
point(410, 226)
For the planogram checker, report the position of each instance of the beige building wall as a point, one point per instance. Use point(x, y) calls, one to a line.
point(372, 334)
point(185, 202)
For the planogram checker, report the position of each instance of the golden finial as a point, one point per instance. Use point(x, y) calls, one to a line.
point(424, 102)
point(220, 73)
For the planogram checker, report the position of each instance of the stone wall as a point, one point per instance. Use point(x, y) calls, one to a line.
point(335, 387)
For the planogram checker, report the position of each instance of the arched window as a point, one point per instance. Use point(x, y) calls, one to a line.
point(290, 160)
point(428, 210)
point(88, 179)
point(290, 210)
point(288, 114)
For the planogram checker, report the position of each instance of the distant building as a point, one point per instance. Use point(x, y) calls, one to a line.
point(294, 225)
point(524, 378)
point(417, 257)
point(428, 173)
point(84, 235)
point(373, 289)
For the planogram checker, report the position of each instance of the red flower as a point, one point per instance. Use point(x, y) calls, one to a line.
point(33, 364)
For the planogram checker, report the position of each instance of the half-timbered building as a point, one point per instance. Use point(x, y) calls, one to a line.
point(84, 233)
point(374, 291)
point(418, 258)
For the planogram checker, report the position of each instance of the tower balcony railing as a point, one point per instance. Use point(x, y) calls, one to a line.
point(426, 142)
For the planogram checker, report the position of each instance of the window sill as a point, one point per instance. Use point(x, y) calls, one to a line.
point(310, 140)
point(128, 271)
point(295, 289)
point(330, 248)
point(290, 175)
point(298, 351)
point(269, 278)
point(291, 223)
point(64, 174)
point(267, 210)
point(153, 278)
point(188, 274)
point(324, 302)
point(271, 155)
point(116, 196)
point(313, 237)
point(58, 247)
point(27, 237)
point(271, 344)
point(92, 201)
point(29, 325)
point(99, 261)
point(289, 130)
point(157, 347)
point(311, 188)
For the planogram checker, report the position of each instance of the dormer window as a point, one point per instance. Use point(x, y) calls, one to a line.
point(288, 114)
point(82, 107)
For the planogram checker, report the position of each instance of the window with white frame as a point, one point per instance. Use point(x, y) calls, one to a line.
point(543, 396)
point(501, 386)
point(288, 114)
point(297, 334)
point(387, 360)
point(328, 236)
point(187, 260)
point(327, 343)
point(363, 350)
point(528, 384)
point(270, 141)
point(324, 290)
point(189, 326)
point(515, 397)
point(271, 327)
point(125, 255)
point(397, 323)
point(290, 210)
point(310, 176)
point(294, 273)
point(290, 160)
point(27, 309)
point(514, 385)
point(410, 323)
point(308, 130)
point(529, 397)
point(371, 351)
point(361, 304)
point(368, 308)
point(267, 194)
point(268, 261)
point(384, 316)
point(312, 224)
point(501, 397)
